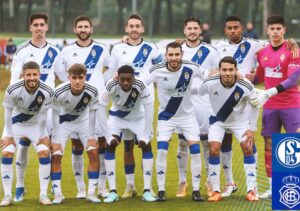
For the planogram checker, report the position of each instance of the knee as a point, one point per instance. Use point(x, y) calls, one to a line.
point(129, 145)
point(102, 142)
point(147, 148)
point(56, 159)
point(247, 150)
point(77, 145)
point(214, 149)
point(43, 150)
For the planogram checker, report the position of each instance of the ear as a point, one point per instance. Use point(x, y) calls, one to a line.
point(74, 29)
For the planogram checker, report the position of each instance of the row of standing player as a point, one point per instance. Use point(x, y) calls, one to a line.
point(240, 48)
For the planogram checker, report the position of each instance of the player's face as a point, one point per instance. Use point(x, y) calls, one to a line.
point(31, 78)
point(77, 83)
point(174, 58)
point(38, 28)
point(228, 73)
point(134, 29)
point(83, 30)
point(192, 31)
point(233, 30)
point(126, 80)
point(276, 32)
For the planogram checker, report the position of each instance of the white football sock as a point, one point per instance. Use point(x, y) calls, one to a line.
point(78, 165)
point(110, 165)
point(182, 158)
point(214, 173)
point(196, 166)
point(44, 174)
point(147, 169)
point(161, 164)
point(7, 174)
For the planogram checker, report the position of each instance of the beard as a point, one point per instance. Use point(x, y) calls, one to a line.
point(83, 36)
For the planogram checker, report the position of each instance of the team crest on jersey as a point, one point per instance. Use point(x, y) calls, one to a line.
point(50, 54)
point(93, 53)
point(86, 100)
point(199, 53)
point(282, 57)
point(236, 96)
point(243, 48)
point(133, 94)
point(39, 99)
point(145, 52)
point(186, 75)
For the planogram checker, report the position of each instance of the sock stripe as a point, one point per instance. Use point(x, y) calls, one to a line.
point(56, 176)
point(7, 161)
point(195, 148)
point(45, 161)
point(226, 148)
point(93, 174)
point(249, 159)
point(77, 152)
point(24, 143)
point(214, 160)
point(109, 156)
point(147, 155)
point(129, 169)
point(163, 145)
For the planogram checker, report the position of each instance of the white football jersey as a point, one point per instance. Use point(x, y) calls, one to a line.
point(74, 108)
point(94, 57)
point(26, 107)
point(174, 88)
point(141, 57)
point(244, 53)
point(228, 104)
point(207, 57)
point(45, 56)
point(127, 105)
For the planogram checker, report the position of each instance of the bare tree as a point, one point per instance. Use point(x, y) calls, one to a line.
point(189, 8)
point(169, 16)
point(1, 15)
point(266, 13)
point(29, 9)
point(120, 20)
point(213, 9)
point(157, 12)
point(65, 15)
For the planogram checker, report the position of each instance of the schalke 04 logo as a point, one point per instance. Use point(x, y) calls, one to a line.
point(288, 152)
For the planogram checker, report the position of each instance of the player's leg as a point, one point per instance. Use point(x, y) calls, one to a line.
point(42, 148)
point(102, 191)
point(290, 119)
point(8, 150)
point(110, 165)
point(56, 171)
point(21, 163)
point(92, 148)
point(129, 163)
point(78, 166)
point(215, 138)
point(190, 129)
point(182, 161)
point(165, 130)
point(249, 160)
point(271, 123)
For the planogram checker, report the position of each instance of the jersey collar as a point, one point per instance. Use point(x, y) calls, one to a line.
point(136, 44)
point(31, 43)
point(92, 41)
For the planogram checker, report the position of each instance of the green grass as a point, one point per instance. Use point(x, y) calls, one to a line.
point(235, 202)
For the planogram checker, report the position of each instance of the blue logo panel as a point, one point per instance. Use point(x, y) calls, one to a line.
point(286, 171)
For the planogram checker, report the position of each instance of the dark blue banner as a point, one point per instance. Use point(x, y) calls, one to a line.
point(286, 171)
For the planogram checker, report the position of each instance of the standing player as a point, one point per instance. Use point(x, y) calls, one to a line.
point(141, 55)
point(74, 111)
point(243, 50)
point(45, 54)
point(25, 107)
point(173, 79)
point(94, 56)
point(229, 97)
point(283, 109)
point(207, 57)
point(132, 109)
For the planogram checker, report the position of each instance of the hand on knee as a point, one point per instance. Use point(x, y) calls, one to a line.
point(9, 151)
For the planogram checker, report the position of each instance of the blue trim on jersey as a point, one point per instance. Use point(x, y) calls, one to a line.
point(33, 107)
point(200, 55)
point(142, 56)
point(249, 159)
point(48, 62)
point(67, 118)
point(242, 52)
point(128, 105)
point(228, 106)
point(157, 60)
point(92, 59)
point(175, 102)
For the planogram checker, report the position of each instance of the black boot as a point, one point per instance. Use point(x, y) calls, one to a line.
point(161, 196)
point(196, 196)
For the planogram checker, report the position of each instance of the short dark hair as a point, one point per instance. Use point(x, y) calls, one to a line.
point(38, 16)
point(228, 59)
point(276, 19)
point(82, 18)
point(192, 19)
point(31, 65)
point(135, 16)
point(232, 18)
point(77, 69)
point(126, 69)
point(174, 45)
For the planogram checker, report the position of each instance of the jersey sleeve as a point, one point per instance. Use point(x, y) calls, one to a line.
point(112, 65)
point(203, 88)
point(8, 101)
point(47, 103)
point(214, 60)
point(146, 95)
point(16, 68)
point(149, 76)
point(107, 93)
point(260, 73)
point(94, 103)
point(157, 57)
point(56, 102)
